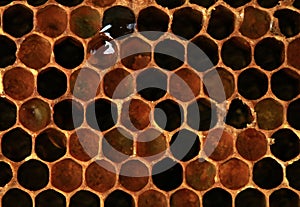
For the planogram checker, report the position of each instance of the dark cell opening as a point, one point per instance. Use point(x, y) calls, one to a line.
point(50, 198)
point(267, 3)
point(121, 19)
point(250, 197)
point(167, 174)
point(169, 54)
point(293, 117)
point(16, 144)
point(236, 53)
point(69, 3)
point(6, 173)
point(168, 115)
point(252, 84)
point(185, 145)
point(170, 4)
point(84, 198)
point(17, 20)
point(68, 114)
point(237, 3)
point(119, 198)
point(8, 112)
point(292, 174)
point(217, 197)
point(7, 51)
point(296, 4)
point(51, 83)
point(68, 52)
point(5, 2)
point(239, 114)
point(36, 2)
point(289, 22)
point(204, 3)
point(16, 198)
point(221, 23)
point(284, 198)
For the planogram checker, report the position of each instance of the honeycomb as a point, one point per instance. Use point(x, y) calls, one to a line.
point(116, 103)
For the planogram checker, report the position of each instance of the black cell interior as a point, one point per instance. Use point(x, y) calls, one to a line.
point(84, 198)
point(204, 3)
point(267, 3)
point(101, 114)
point(121, 19)
point(6, 173)
point(16, 198)
point(50, 198)
point(119, 198)
point(167, 174)
point(267, 173)
point(293, 117)
point(17, 20)
point(16, 144)
point(51, 83)
point(252, 84)
point(69, 3)
point(5, 2)
point(68, 52)
point(217, 197)
point(170, 4)
point(250, 197)
point(8, 111)
point(7, 51)
point(68, 114)
point(237, 3)
point(36, 2)
point(292, 174)
point(296, 4)
point(284, 198)
point(33, 175)
point(289, 22)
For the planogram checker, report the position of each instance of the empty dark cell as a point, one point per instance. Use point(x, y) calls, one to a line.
point(185, 145)
point(7, 51)
point(6, 173)
point(121, 20)
point(36, 2)
point(267, 173)
point(238, 115)
point(5, 2)
point(236, 3)
point(204, 3)
point(169, 54)
point(17, 20)
point(84, 198)
point(236, 53)
point(289, 22)
point(168, 115)
point(296, 4)
point(16, 144)
point(50, 198)
point(69, 3)
point(152, 19)
point(167, 174)
point(170, 4)
point(51, 83)
point(292, 174)
point(268, 3)
point(285, 84)
point(68, 114)
point(119, 198)
point(50, 145)
point(68, 52)
point(217, 197)
point(250, 197)
point(293, 117)
point(16, 198)
point(101, 114)
point(187, 22)
point(152, 84)
point(202, 53)
point(284, 198)
point(252, 84)
point(269, 53)
point(221, 23)
point(8, 111)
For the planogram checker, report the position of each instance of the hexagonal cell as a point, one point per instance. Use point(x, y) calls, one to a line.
point(119, 198)
point(84, 198)
point(68, 114)
point(36, 2)
point(152, 198)
point(7, 51)
point(186, 22)
point(169, 54)
point(101, 114)
point(251, 144)
point(121, 20)
point(236, 53)
point(237, 3)
point(17, 20)
point(204, 3)
point(50, 145)
point(35, 51)
point(50, 198)
point(66, 175)
point(117, 145)
point(292, 114)
point(200, 174)
point(102, 3)
point(269, 114)
point(268, 3)
point(184, 197)
point(16, 197)
point(285, 84)
point(68, 52)
point(289, 22)
point(252, 84)
point(267, 173)
point(284, 197)
point(9, 114)
point(54, 26)
point(250, 196)
point(170, 4)
point(217, 197)
point(6, 173)
point(84, 144)
point(85, 21)
point(100, 176)
point(167, 174)
point(202, 53)
point(33, 175)
point(269, 53)
point(69, 3)
point(118, 84)
point(239, 114)
point(221, 23)
point(135, 53)
point(293, 52)
point(256, 23)
point(16, 144)
point(152, 19)
point(296, 4)
point(292, 172)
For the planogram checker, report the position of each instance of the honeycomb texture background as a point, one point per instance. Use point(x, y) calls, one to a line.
point(45, 45)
